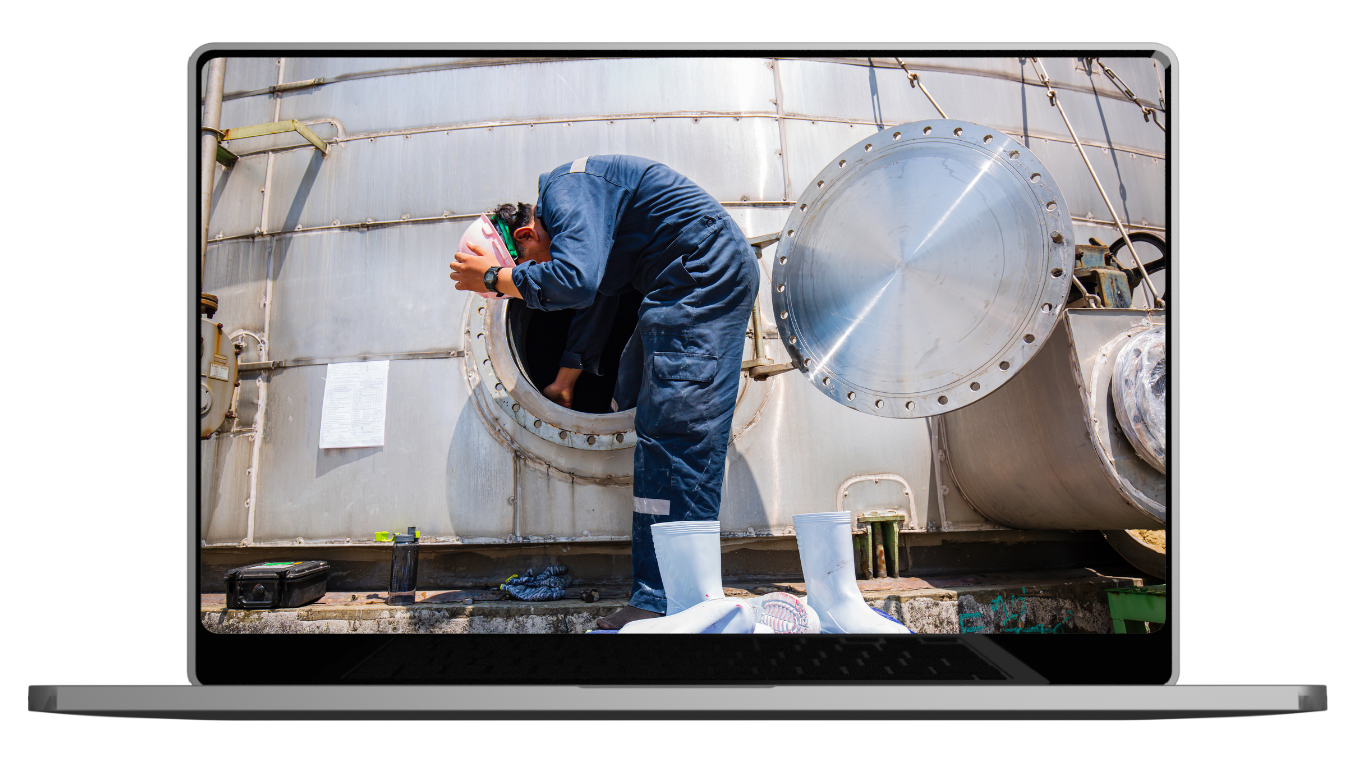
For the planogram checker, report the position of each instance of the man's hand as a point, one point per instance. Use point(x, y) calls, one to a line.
point(561, 390)
point(468, 271)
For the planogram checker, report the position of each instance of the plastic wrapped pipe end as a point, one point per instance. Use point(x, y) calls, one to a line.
point(1139, 391)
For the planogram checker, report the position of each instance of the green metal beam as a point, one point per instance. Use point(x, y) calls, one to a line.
point(283, 126)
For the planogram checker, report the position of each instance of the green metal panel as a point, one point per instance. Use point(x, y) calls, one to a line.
point(1129, 608)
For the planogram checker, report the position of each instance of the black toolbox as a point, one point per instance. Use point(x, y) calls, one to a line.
point(277, 585)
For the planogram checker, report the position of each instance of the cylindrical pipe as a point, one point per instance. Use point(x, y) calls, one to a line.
point(208, 152)
point(757, 328)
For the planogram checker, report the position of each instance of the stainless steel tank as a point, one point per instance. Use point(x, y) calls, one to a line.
point(341, 257)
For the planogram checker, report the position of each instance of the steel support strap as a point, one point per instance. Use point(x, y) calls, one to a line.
point(914, 77)
point(1123, 231)
point(1147, 111)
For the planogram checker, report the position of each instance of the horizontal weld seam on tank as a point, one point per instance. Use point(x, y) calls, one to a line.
point(1011, 134)
point(270, 365)
point(668, 115)
point(418, 70)
point(321, 81)
point(1107, 223)
point(1114, 95)
point(458, 216)
point(568, 119)
point(430, 219)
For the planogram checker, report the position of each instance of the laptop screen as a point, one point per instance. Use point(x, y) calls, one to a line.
point(863, 346)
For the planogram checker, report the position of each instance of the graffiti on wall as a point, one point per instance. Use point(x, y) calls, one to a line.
point(1007, 614)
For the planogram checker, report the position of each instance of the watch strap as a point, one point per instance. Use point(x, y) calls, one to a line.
point(491, 279)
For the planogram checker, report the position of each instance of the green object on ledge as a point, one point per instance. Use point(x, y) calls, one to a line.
point(1135, 610)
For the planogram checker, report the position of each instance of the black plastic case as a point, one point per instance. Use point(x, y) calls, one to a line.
point(276, 584)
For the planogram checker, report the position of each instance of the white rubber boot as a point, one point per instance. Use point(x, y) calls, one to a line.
point(689, 554)
point(726, 615)
point(826, 545)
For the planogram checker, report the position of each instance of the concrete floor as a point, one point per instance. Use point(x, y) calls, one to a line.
point(1030, 602)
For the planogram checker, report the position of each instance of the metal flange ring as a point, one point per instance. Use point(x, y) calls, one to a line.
point(509, 388)
point(922, 268)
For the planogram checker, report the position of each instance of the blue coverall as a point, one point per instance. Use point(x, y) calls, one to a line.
point(615, 222)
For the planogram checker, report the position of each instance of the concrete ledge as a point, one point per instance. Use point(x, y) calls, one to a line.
point(1018, 603)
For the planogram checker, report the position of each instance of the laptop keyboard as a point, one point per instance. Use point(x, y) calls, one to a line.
point(438, 659)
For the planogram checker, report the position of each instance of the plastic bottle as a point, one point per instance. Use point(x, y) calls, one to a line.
point(403, 569)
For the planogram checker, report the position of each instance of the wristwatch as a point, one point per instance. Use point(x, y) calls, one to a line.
point(491, 280)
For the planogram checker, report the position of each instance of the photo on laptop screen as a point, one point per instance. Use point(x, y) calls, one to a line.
point(738, 343)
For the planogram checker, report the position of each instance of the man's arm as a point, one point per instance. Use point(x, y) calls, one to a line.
point(561, 390)
point(580, 212)
point(588, 334)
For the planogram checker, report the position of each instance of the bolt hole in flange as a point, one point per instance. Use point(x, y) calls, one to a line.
point(943, 399)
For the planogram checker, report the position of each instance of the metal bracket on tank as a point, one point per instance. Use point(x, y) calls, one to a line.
point(266, 129)
point(761, 366)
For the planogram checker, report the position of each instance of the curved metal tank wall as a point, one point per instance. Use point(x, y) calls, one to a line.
point(341, 257)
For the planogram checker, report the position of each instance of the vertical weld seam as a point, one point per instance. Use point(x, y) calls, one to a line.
point(782, 131)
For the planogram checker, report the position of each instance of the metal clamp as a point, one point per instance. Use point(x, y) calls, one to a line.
point(1092, 300)
point(914, 77)
point(1147, 111)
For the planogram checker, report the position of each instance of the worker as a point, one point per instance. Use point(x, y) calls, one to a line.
point(600, 226)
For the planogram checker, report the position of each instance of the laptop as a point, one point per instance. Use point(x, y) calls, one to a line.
point(134, 642)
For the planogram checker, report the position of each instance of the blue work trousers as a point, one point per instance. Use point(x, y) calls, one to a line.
point(681, 371)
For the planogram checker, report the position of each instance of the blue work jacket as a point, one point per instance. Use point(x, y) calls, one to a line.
point(610, 219)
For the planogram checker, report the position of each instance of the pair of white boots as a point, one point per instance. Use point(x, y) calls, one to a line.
point(689, 555)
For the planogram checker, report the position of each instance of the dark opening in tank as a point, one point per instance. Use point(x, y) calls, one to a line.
point(538, 340)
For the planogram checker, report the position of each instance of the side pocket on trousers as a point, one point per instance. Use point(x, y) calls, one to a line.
point(678, 393)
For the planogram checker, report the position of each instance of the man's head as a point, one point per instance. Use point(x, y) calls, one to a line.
point(528, 235)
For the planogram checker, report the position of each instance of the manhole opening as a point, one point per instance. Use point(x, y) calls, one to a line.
point(538, 340)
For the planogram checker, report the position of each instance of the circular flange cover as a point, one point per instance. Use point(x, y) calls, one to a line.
point(922, 268)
